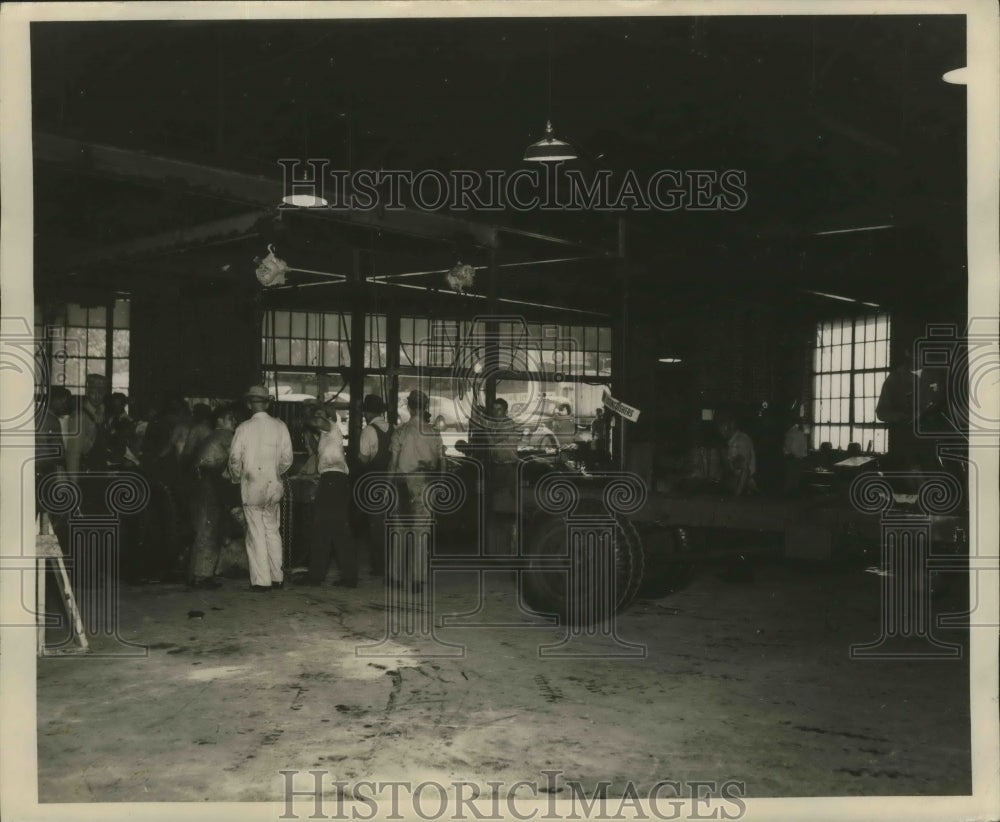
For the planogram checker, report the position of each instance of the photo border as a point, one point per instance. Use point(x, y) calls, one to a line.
point(18, 766)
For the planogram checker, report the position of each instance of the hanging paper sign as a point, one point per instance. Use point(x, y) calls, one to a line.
point(625, 411)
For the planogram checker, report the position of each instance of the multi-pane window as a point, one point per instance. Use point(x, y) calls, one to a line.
point(307, 339)
point(310, 339)
point(375, 341)
point(428, 343)
point(443, 343)
point(86, 340)
point(530, 348)
point(586, 348)
point(552, 374)
point(850, 363)
point(306, 353)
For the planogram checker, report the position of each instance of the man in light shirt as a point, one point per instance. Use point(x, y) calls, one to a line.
point(373, 455)
point(415, 451)
point(740, 459)
point(260, 453)
point(86, 448)
point(332, 506)
point(795, 450)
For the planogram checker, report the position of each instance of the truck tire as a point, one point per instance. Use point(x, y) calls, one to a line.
point(545, 590)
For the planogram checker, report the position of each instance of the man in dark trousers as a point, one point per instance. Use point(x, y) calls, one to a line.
point(373, 456)
point(331, 519)
point(86, 445)
point(212, 499)
point(416, 451)
point(907, 395)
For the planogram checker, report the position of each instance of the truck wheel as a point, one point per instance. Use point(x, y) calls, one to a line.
point(546, 590)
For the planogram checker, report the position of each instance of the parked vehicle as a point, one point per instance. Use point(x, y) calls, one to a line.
point(549, 423)
point(447, 413)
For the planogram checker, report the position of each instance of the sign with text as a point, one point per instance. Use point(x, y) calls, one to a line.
point(625, 411)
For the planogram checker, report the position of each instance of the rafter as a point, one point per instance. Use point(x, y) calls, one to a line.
point(237, 187)
point(227, 230)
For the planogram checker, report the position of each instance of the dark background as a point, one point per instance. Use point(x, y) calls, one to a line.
point(838, 122)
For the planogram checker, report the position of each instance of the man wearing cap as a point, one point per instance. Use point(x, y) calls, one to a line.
point(260, 453)
point(332, 507)
point(373, 455)
point(415, 450)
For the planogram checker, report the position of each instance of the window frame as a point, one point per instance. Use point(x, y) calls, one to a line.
point(436, 347)
point(857, 368)
point(53, 322)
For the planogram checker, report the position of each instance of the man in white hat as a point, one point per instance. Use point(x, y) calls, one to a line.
point(260, 453)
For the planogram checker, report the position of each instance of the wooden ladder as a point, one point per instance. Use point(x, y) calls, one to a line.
point(47, 550)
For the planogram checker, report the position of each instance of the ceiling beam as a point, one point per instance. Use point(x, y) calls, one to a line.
point(548, 238)
point(208, 181)
point(181, 239)
point(854, 133)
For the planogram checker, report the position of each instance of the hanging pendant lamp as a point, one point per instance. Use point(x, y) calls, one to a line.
point(550, 148)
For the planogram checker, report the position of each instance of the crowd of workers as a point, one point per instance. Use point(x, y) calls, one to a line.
point(723, 458)
point(216, 473)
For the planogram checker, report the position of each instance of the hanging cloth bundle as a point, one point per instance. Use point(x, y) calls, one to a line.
point(270, 269)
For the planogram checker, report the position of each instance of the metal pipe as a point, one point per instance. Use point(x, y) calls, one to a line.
point(499, 299)
point(392, 277)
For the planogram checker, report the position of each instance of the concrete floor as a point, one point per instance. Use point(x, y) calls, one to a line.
point(748, 681)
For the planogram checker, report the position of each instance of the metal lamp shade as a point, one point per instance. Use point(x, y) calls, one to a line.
point(549, 149)
point(305, 201)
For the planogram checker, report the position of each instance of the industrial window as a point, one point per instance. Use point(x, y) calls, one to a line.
point(530, 348)
point(86, 340)
point(552, 376)
point(850, 363)
point(443, 343)
point(429, 343)
point(586, 349)
point(307, 339)
point(306, 353)
point(375, 341)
